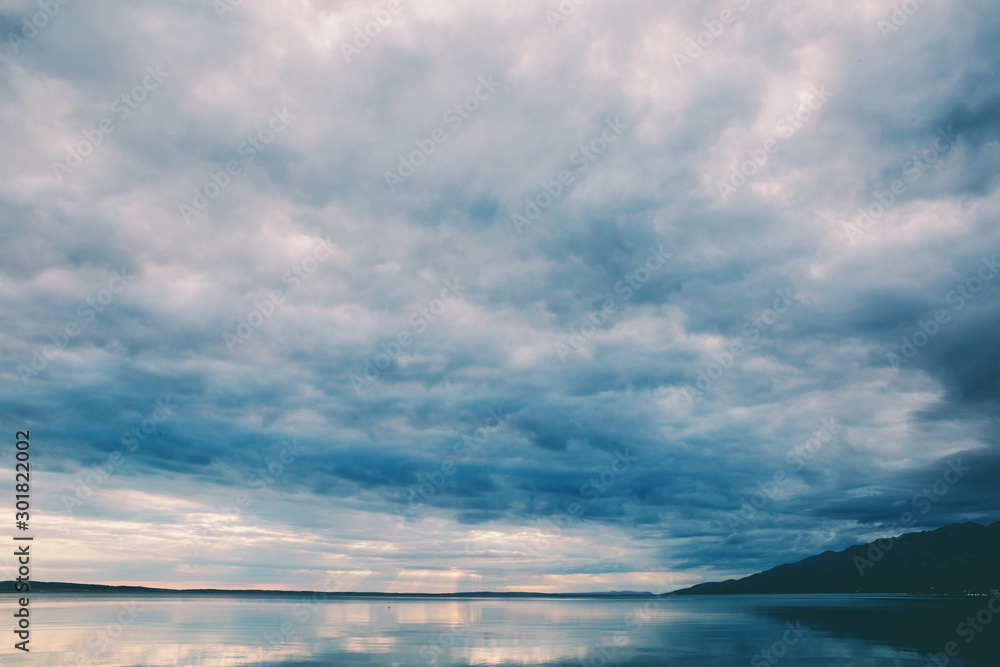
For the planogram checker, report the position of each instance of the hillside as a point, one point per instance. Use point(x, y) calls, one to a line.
point(955, 559)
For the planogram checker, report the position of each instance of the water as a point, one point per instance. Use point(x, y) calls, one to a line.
point(712, 631)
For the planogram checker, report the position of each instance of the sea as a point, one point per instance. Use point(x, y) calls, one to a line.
point(401, 631)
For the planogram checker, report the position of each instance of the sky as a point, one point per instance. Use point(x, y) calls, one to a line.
point(458, 296)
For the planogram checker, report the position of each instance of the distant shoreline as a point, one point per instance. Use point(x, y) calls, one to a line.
point(64, 587)
point(58, 588)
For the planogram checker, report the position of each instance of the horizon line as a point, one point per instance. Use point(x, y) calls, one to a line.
point(307, 591)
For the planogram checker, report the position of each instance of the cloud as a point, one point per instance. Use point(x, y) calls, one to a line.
point(632, 385)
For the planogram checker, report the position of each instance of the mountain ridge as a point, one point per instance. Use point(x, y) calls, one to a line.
point(956, 559)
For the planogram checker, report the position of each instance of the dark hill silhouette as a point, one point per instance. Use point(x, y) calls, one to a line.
point(960, 558)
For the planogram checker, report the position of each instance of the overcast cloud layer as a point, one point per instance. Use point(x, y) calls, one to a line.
point(609, 360)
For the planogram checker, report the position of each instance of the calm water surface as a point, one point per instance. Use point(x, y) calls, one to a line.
point(400, 632)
